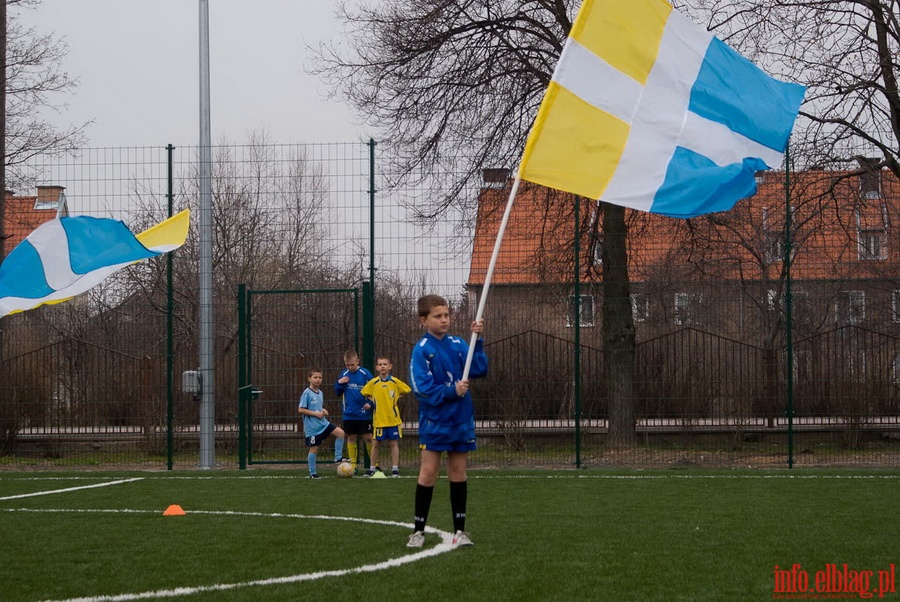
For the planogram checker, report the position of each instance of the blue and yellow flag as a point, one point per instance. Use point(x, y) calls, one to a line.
point(70, 255)
point(649, 111)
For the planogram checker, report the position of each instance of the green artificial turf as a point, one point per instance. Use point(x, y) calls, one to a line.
point(539, 535)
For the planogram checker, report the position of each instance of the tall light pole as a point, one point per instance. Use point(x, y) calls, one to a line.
point(207, 325)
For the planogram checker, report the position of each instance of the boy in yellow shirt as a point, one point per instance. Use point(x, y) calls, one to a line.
point(385, 391)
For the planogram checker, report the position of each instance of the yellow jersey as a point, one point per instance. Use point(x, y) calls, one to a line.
point(385, 394)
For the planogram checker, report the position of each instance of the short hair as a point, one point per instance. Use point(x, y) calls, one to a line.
point(383, 357)
point(313, 371)
point(350, 354)
point(429, 302)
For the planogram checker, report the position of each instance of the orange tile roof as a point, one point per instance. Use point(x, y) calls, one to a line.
point(828, 213)
point(25, 213)
point(538, 237)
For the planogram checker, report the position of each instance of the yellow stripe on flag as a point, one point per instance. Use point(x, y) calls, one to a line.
point(166, 235)
point(580, 145)
point(623, 33)
point(170, 233)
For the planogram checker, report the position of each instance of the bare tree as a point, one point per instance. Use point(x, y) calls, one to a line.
point(31, 76)
point(35, 81)
point(270, 231)
point(434, 72)
point(458, 82)
point(450, 82)
point(848, 55)
point(618, 329)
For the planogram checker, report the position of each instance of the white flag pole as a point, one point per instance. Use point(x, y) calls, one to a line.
point(490, 272)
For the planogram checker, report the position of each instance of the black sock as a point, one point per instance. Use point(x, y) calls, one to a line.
point(458, 494)
point(423, 505)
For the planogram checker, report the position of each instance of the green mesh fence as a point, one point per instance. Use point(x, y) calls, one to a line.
point(615, 338)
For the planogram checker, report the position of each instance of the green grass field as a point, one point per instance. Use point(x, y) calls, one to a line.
point(539, 535)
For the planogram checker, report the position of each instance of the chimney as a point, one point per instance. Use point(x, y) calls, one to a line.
point(495, 177)
point(870, 178)
point(49, 197)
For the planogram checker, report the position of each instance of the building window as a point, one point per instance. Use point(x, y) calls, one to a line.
point(640, 307)
point(870, 184)
point(872, 244)
point(773, 236)
point(493, 177)
point(895, 305)
point(850, 307)
point(774, 250)
point(474, 298)
point(597, 248)
point(802, 368)
point(688, 308)
point(800, 308)
point(584, 309)
point(773, 299)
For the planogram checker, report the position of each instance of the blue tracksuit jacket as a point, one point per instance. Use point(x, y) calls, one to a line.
point(351, 394)
point(435, 367)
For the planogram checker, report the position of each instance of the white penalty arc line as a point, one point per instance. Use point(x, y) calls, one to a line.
point(69, 489)
point(442, 548)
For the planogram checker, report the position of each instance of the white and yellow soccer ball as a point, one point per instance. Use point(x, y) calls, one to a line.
point(345, 470)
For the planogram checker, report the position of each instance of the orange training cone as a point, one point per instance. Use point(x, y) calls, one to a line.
point(174, 510)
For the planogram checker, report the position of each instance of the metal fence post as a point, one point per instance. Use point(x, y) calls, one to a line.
point(368, 325)
point(170, 337)
point(372, 214)
point(789, 376)
point(577, 356)
point(243, 385)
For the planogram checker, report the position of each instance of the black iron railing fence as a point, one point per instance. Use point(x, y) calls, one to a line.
point(87, 382)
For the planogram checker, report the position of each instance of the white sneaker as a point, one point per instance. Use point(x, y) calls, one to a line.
point(461, 538)
point(416, 540)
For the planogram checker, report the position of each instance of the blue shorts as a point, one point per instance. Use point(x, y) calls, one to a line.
point(317, 440)
point(387, 433)
point(442, 444)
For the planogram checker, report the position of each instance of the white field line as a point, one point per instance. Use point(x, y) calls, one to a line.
point(68, 489)
point(640, 477)
point(442, 548)
point(574, 475)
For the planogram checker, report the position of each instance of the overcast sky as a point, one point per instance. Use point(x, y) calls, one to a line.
point(138, 65)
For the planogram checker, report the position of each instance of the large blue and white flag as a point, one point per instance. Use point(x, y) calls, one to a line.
point(650, 111)
point(70, 255)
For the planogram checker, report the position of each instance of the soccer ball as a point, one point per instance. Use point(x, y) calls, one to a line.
point(345, 470)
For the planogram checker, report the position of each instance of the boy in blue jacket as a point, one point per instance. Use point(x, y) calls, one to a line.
point(446, 413)
point(357, 416)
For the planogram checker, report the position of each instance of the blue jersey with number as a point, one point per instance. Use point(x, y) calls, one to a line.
point(435, 368)
point(313, 400)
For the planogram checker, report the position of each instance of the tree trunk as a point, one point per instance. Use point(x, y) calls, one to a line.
point(618, 329)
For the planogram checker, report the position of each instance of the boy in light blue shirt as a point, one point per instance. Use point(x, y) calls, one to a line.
point(317, 428)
